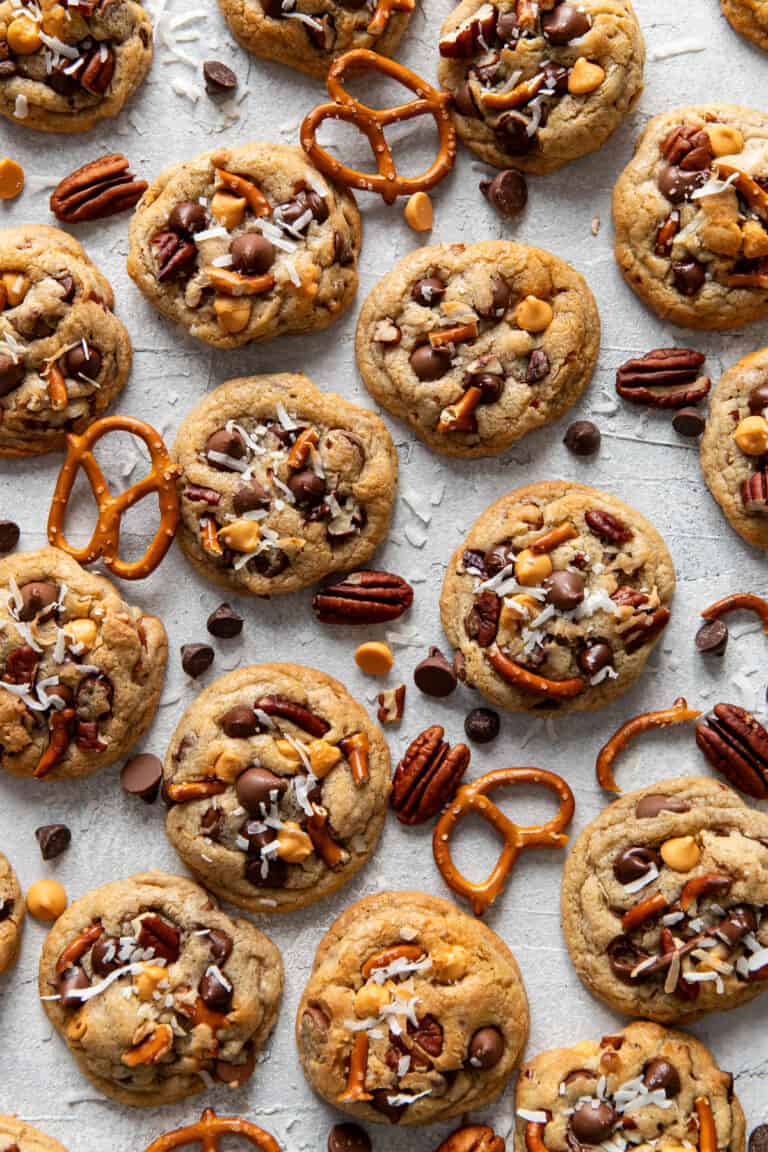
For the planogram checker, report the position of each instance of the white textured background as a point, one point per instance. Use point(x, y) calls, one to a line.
point(693, 56)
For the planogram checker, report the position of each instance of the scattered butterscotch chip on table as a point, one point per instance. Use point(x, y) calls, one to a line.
point(11, 179)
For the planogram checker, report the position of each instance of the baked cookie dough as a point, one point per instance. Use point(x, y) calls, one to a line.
point(278, 784)
point(556, 598)
point(310, 34)
point(538, 85)
point(665, 901)
point(281, 484)
point(16, 1136)
point(64, 355)
point(414, 1012)
point(65, 66)
point(750, 17)
point(475, 345)
point(155, 989)
point(691, 216)
point(734, 447)
point(11, 918)
point(660, 1088)
point(246, 243)
point(81, 670)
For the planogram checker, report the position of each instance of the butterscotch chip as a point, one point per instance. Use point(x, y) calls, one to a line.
point(11, 179)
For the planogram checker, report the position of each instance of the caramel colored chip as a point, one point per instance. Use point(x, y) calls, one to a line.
point(11, 179)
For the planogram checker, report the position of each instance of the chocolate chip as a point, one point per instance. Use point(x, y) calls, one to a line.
point(565, 590)
point(595, 657)
point(240, 722)
point(655, 802)
point(270, 561)
point(221, 944)
point(592, 1125)
point(430, 363)
point(498, 558)
point(758, 1141)
point(307, 487)
point(196, 659)
point(507, 28)
point(269, 872)
point(9, 536)
point(677, 185)
point(215, 990)
point(38, 598)
point(486, 1048)
point(564, 23)
point(538, 366)
point(348, 1138)
point(71, 981)
point(219, 79)
point(512, 134)
point(11, 373)
point(634, 863)
point(105, 955)
point(688, 276)
point(6, 908)
point(141, 775)
point(758, 399)
point(225, 443)
point(53, 840)
point(434, 676)
point(428, 291)
point(252, 254)
point(712, 638)
point(482, 725)
point(188, 217)
point(224, 622)
point(582, 438)
point(501, 294)
point(234, 1075)
point(248, 497)
point(660, 1074)
point(464, 102)
point(255, 788)
point(688, 422)
point(83, 362)
point(507, 192)
point(491, 386)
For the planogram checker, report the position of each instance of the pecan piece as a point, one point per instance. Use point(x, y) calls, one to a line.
point(629, 596)
point(98, 189)
point(647, 627)
point(97, 75)
point(663, 378)
point(296, 713)
point(688, 147)
point(736, 745)
point(428, 1035)
point(482, 621)
point(163, 938)
point(174, 255)
point(754, 493)
point(363, 598)
point(20, 665)
point(607, 526)
point(391, 704)
point(427, 777)
point(202, 495)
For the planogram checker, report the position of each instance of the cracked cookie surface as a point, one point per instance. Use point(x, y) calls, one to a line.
point(310, 34)
point(18, 1136)
point(64, 65)
point(732, 447)
point(64, 355)
point(282, 484)
point(246, 243)
point(475, 345)
point(536, 86)
point(414, 1012)
point(750, 17)
point(665, 901)
point(279, 784)
point(82, 670)
point(662, 1086)
point(556, 598)
point(155, 989)
point(11, 916)
point(690, 212)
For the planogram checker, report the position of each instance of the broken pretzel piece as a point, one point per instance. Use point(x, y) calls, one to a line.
point(677, 714)
point(738, 601)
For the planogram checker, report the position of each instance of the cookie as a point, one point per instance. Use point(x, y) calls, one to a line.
point(246, 243)
point(734, 446)
point(17, 1136)
point(691, 216)
point(155, 990)
point(414, 1012)
point(665, 901)
point(64, 355)
point(65, 67)
point(643, 1078)
point(556, 598)
point(281, 484)
point(11, 917)
point(536, 86)
point(475, 345)
point(82, 670)
point(278, 784)
point(750, 17)
point(311, 35)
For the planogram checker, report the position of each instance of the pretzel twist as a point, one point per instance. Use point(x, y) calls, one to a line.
point(105, 541)
point(372, 122)
point(207, 1131)
point(679, 713)
point(473, 797)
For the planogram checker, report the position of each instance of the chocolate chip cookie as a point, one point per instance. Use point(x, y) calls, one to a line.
point(537, 85)
point(310, 34)
point(11, 916)
point(734, 447)
point(17, 1136)
point(691, 216)
point(556, 598)
point(475, 345)
point(282, 484)
point(64, 66)
point(750, 17)
point(246, 243)
point(665, 901)
point(64, 355)
point(641, 1085)
point(82, 670)
point(414, 1012)
point(278, 784)
point(155, 990)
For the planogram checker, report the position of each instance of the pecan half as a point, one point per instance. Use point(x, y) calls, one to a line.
point(754, 493)
point(296, 713)
point(174, 255)
point(607, 526)
point(363, 598)
point(427, 777)
point(663, 378)
point(688, 147)
point(163, 938)
point(98, 189)
point(736, 745)
point(428, 1035)
point(482, 621)
point(647, 627)
point(97, 75)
